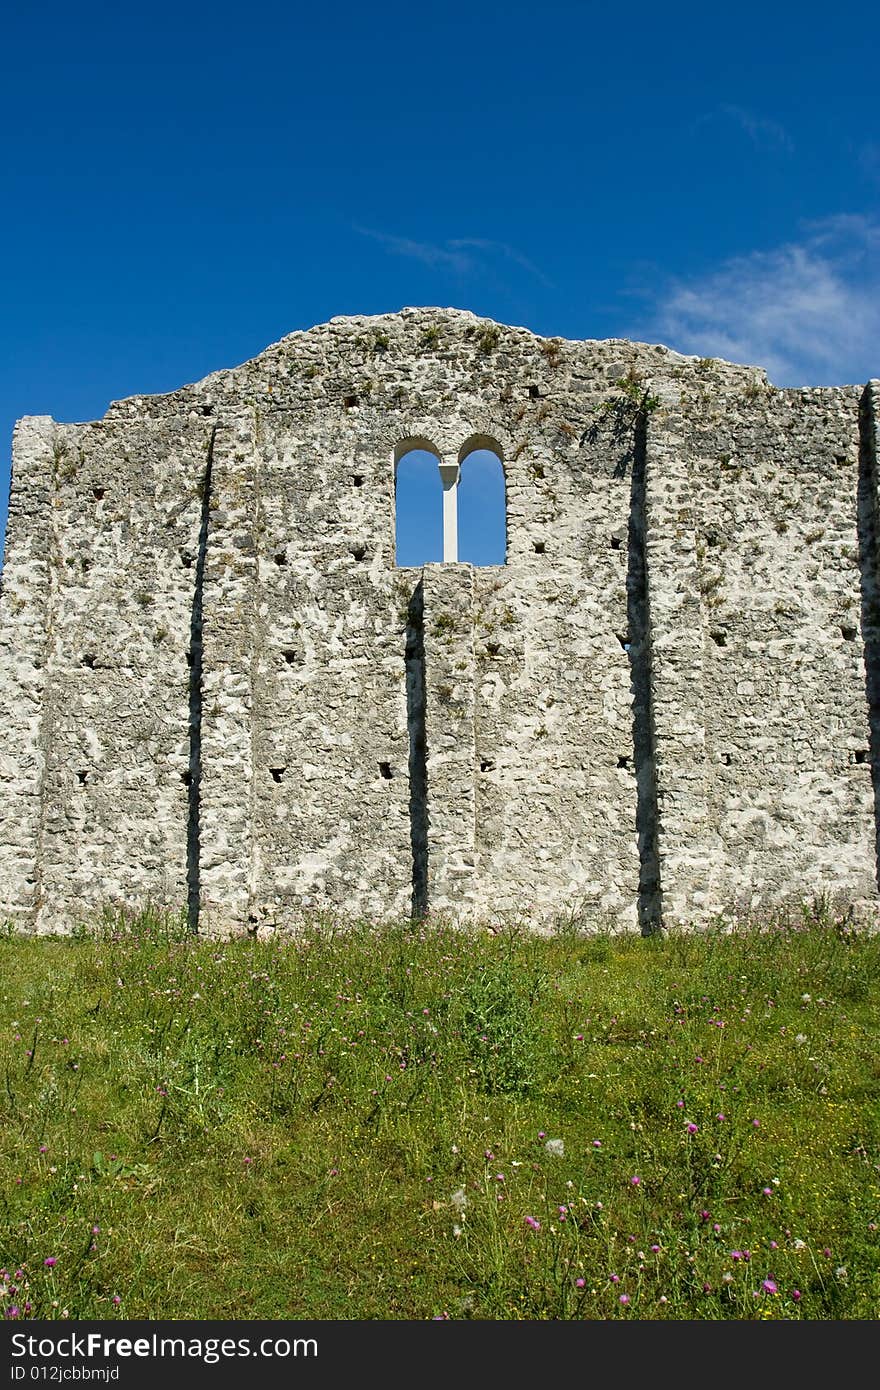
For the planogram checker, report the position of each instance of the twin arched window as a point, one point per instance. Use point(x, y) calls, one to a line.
point(450, 511)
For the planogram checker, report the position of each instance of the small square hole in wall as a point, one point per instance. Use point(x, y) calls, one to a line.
point(534, 392)
point(623, 760)
point(358, 551)
point(848, 634)
point(385, 771)
point(187, 559)
point(719, 637)
point(487, 764)
point(493, 648)
point(861, 755)
point(726, 759)
point(281, 557)
point(539, 548)
point(615, 542)
point(357, 480)
point(89, 660)
point(350, 402)
point(289, 655)
point(98, 493)
point(82, 777)
point(277, 773)
point(186, 778)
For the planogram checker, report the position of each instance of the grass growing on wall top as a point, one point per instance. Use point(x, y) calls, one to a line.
point(406, 1123)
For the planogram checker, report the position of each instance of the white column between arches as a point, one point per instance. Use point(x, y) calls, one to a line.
point(449, 473)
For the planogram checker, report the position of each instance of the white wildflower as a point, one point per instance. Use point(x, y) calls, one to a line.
point(556, 1147)
point(459, 1199)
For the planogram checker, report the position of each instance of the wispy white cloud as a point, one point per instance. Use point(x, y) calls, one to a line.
point(762, 132)
point(460, 255)
point(807, 311)
point(424, 251)
point(501, 248)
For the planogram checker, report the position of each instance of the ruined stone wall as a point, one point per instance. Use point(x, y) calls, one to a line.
point(224, 695)
point(97, 609)
point(779, 568)
point(760, 689)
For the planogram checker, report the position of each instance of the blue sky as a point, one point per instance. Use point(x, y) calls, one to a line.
point(185, 184)
point(481, 528)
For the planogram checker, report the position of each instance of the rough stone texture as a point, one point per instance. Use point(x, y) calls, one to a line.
point(221, 692)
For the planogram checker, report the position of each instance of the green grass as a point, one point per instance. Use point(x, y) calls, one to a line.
point(410, 1122)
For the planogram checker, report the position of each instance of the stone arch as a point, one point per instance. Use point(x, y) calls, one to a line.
point(418, 504)
point(413, 443)
point(480, 441)
point(482, 507)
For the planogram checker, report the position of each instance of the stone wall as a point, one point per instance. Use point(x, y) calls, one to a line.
point(223, 695)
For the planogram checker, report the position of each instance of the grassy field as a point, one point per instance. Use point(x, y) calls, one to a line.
point(410, 1122)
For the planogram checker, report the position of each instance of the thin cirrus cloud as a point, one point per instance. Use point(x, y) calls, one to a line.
point(764, 133)
point(460, 255)
point(501, 248)
point(808, 311)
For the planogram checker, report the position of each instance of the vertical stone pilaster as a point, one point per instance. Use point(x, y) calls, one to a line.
point(869, 571)
point(448, 619)
point(871, 418)
point(229, 621)
point(686, 842)
point(24, 630)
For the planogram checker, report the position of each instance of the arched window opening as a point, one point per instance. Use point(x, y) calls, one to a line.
point(482, 508)
point(418, 506)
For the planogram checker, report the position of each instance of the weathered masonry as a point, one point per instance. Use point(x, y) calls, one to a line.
point(220, 690)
